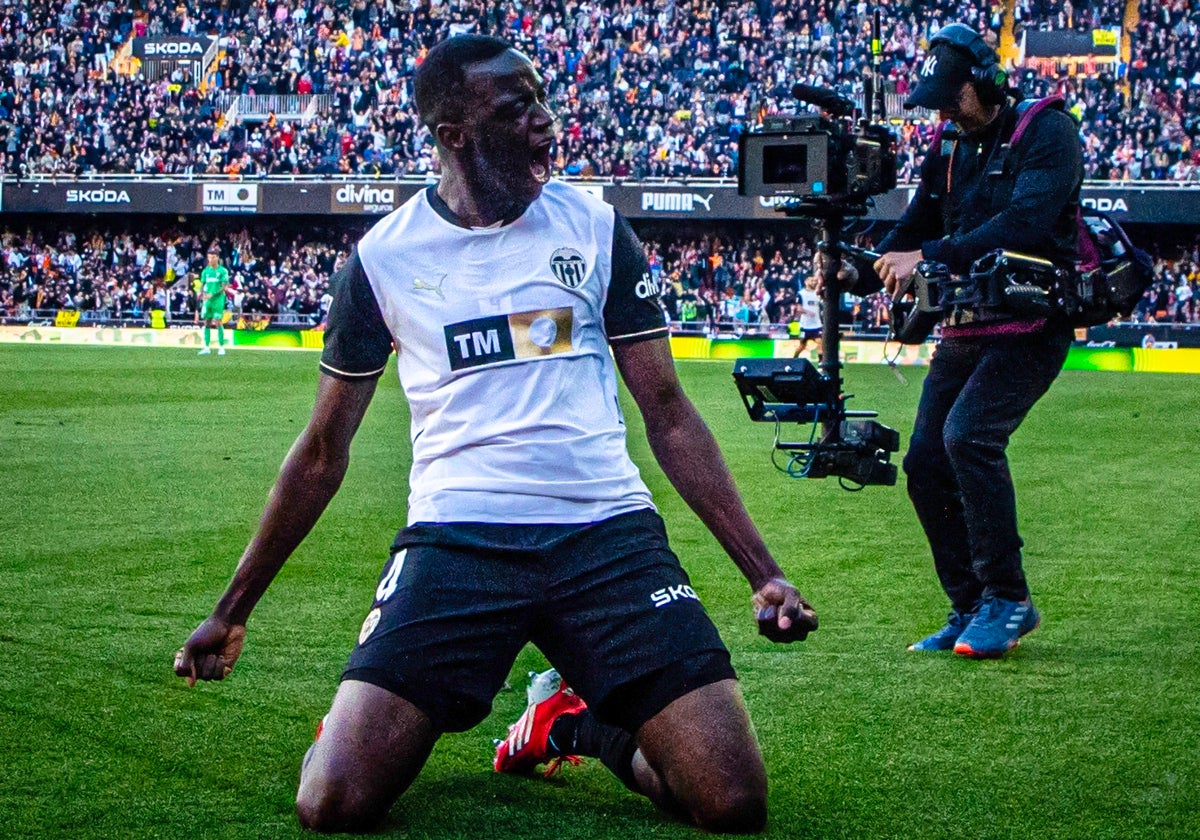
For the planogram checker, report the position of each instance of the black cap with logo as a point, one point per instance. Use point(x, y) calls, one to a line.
point(940, 79)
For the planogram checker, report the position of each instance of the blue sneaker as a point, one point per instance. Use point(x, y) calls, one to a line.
point(997, 628)
point(944, 639)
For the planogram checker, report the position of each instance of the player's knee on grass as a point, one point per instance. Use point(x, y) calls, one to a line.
point(742, 810)
point(732, 799)
point(703, 749)
point(330, 807)
point(372, 744)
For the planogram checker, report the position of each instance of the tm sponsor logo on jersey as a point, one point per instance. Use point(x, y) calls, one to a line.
point(363, 198)
point(671, 594)
point(99, 196)
point(676, 202)
point(502, 338)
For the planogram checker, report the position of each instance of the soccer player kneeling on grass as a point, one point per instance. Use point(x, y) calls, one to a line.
point(512, 300)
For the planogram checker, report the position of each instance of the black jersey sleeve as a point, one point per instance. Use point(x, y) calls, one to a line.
point(357, 340)
point(631, 312)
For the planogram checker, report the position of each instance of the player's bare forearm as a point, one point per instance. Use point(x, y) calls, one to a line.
point(690, 458)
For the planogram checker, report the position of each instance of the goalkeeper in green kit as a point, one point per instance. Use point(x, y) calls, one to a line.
point(214, 280)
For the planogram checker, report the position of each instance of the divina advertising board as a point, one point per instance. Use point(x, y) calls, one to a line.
point(363, 198)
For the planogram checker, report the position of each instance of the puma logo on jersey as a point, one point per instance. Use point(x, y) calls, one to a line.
point(421, 286)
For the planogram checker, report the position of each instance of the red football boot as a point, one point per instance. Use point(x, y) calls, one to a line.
point(527, 743)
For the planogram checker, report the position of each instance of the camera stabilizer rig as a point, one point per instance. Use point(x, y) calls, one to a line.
point(824, 168)
point(851, 446)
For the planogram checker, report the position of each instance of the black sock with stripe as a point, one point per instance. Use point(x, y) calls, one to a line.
point(583, 734)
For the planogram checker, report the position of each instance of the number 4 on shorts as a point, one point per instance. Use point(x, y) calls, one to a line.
point(387, 586)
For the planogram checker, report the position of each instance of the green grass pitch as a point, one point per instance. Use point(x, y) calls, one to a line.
point(132, 479)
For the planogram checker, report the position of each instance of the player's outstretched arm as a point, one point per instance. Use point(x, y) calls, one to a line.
point(689, 456)
point(308, 480)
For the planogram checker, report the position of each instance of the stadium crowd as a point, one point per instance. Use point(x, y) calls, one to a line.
point(643, 89)
point(122, 275)
point(744, 278)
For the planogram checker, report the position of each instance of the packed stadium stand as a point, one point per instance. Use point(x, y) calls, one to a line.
point(645, 91)
point(642, 89)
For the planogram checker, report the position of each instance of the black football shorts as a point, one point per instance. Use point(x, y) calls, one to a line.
point(607, 603)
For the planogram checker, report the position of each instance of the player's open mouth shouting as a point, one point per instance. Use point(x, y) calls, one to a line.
point(539, 165)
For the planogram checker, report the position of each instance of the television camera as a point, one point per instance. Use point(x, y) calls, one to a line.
point(853, 447)
point(827, 165)
point(824, 167)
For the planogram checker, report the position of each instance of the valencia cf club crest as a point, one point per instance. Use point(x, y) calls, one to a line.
point(568, 266)
point(369, 625)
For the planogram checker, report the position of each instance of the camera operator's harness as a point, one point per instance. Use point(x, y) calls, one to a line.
point(1001, 284)
point(1107, 280)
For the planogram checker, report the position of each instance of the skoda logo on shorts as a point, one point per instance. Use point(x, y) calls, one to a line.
point(568, 266)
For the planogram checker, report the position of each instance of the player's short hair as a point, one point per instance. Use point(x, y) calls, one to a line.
point(440, 81)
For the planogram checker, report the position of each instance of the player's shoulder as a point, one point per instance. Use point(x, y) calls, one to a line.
point(585, 196)
point(395, 222)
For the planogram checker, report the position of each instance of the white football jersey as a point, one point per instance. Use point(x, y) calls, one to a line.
point(501, 336)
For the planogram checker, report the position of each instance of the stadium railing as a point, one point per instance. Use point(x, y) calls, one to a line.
point(198, 177)
point(141, 318)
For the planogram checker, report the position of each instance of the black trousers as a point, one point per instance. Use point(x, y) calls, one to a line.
point(977, 392)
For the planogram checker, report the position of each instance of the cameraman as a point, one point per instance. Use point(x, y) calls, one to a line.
point(976, 195)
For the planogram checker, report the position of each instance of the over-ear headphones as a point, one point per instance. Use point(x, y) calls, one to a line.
point(985, 64)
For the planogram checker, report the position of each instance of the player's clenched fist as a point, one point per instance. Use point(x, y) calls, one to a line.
point(782, 613)
point(211, 651)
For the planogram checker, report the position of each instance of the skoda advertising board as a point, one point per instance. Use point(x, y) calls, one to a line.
point(1129, 203)
point(175, 48)
point(100, 197)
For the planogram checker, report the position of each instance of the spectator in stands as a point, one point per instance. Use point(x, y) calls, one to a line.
point(658, 94)
point(652, 91)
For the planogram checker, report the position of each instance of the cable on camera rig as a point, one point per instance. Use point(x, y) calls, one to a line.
point(847, 444)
